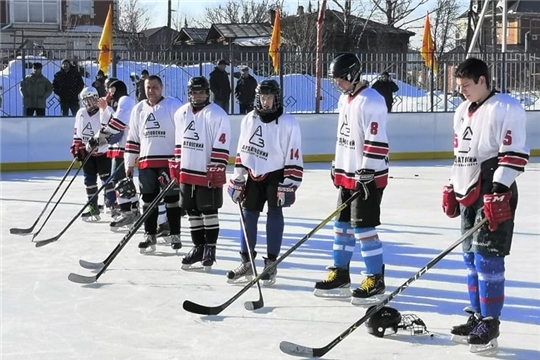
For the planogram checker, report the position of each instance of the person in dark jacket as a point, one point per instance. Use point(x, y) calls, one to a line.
point(35, 89)
point(220, 85)
point(67, 85)
point(99, 83)
point(386, 87)
point(245, 91)
point(140, 92)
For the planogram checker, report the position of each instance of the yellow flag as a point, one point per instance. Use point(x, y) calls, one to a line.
point(275, 42)
point(106, 43)
point(428, 47)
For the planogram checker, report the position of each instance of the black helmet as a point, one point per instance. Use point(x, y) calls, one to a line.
point(346, 67)
point(386, 318)
point(268, 87)
point(198, 83)
point(108, 81)
point(120, 89)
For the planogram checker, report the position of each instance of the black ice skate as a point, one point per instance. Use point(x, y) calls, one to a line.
point(269, 279)
point(483, 338)
point(336, 285)
point(176, 243)
point(460, 333)
point(126, 218)
point(149, 244)
point(92, 215)
point(209, 257)
point(194, 256)
point(370, 292)
point(244, 270)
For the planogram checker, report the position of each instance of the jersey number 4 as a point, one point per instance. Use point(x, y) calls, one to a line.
point(222, 139)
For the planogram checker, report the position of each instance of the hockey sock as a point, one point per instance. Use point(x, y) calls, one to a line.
point(274, 230)
point(490, 284)
point(343, 244)
point(90, 191)
point(162, 213)
point(252, 217)
point(150, 225)
point(211, 227)
point(472, 281)
point(173, 213)
point(196, 228)
point(371, 249)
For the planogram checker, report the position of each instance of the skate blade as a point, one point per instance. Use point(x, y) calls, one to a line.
point(270, 282)
point(459, 339)
point(372, 300)
point(192, 267)
point(338, 293)
point(485, 349)
point(241, 280)
point(90, 219)
point(148, 250)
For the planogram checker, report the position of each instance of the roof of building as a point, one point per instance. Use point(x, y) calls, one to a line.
point(234, 31)
point(193, 35)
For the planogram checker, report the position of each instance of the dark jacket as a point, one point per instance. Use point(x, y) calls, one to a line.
point(245, 90)
point(386, 89)
point(68, 85)
point(140, 91)
point(99, 85)
point(220, 85)
point(35, 89)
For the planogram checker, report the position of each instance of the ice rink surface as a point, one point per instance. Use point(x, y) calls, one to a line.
point(135, 311)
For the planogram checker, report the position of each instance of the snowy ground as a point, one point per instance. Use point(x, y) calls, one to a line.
point(135, 310)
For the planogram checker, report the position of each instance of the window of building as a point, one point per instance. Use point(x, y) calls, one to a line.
point(35, 11)
point(80, 7)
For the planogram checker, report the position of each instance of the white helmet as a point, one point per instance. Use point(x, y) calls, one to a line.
point(88, 93)
point(89, 97)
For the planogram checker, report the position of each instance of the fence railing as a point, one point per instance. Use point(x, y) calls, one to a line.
point(419, 90)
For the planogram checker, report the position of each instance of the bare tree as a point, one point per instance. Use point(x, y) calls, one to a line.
point(132, 20)
point(352, 28)
point(236, 11)
point(396, 12)
point(444, 25)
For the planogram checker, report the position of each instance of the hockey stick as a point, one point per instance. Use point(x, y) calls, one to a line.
point(64, 193)
point(20, 231)
point(140, 221)
point(250, 305)
point(304, 351)
point(40, 243)
point(214, 310)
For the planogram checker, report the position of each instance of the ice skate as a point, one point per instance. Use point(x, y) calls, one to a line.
point(163, 230)
point(176, 243)
point(113, 212)
point(149, 244)
point(244, 270)
point(194, 256)
point(92, 215)
point(370, 292)
point(336, 285)
point(269, 279)
point(483, 338)
point(460, 333)
point(209, 257)
point(126, 218)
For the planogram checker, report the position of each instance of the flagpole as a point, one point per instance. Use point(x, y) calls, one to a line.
point(318, 60)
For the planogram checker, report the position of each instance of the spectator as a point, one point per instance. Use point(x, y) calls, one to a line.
point(386, 87)
point(220, 85)
point(140, 92)
point(67, 85)
point(245, 91)
point(99, 84)
point(35, 89)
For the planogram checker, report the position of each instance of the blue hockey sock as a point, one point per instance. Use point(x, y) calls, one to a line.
point(252, 217)
point(274, 230)
point(371, 249)
point(472, 281)
point(343, 244)
point(490, 284)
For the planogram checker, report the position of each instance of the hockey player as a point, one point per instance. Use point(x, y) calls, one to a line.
point(87, 124)
point(201, 154)
point(361, 165)
point(268, 169)
point(151, 140)
point(489, 154)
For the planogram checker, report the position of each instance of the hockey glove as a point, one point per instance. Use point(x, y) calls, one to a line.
point(98, 140)
point(78, 151)
point(215, 175)
point(236, 190)
point(450, 205)
point(174, 169)
point(497, 207)
point(286, 195)
point(365, 179)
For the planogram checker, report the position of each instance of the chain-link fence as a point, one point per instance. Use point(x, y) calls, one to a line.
point(419, 90)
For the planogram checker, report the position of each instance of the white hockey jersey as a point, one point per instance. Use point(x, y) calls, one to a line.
point(151, 134)
point(266, 147)
point(362, 142)
point(86, 127)
point(495, 129)
point(202, 138)
point(118, 121)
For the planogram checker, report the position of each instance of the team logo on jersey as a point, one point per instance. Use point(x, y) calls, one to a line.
point(151, 123)
point(467, 134)
point(345, 130)
point(190, 133)
point(87, 130)
point(256, 139)
point(464, 146)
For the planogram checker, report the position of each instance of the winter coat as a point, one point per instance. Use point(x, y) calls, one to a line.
point(35, 89)
point(245, 90)
point(99, 85)
point(386, 89)
point(220, 85)
point(68, 85)
point(140, 92)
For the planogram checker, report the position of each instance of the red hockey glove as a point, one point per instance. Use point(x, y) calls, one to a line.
point(497, 209)
point(286, 195)
point(78, 151)
point(174, 169)
point(216, 176)
point(450, 205)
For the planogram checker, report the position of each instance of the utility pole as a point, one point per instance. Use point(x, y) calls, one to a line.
point(169, 13)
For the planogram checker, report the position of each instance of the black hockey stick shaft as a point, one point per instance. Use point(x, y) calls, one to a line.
point(63, 194)
point(132, 231)
point(214, 310)
point(19, 231)
point(304, 351)
point(40, 243)
point(250, 305)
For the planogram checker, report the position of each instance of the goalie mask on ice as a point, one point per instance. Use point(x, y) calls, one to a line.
point(125, 188)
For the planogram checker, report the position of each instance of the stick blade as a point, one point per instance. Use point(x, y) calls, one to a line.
point(91, 265)
point(41, 243)
point(293, 349)
point(80, 279)
point(254, 305)
point(201, 309)
point(17, 231)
